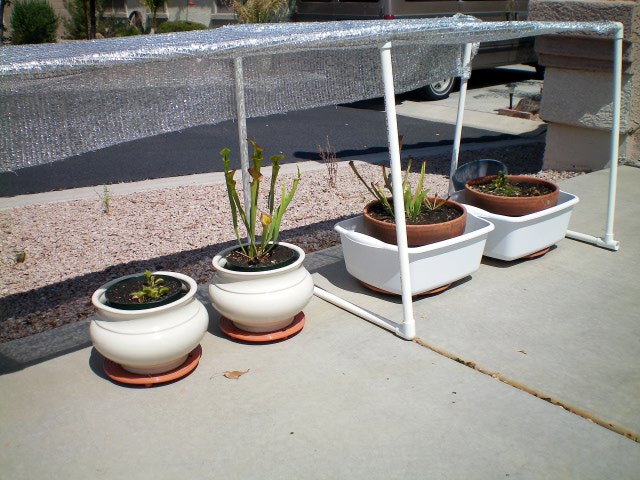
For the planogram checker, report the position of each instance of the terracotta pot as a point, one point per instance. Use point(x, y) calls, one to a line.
point(511, 206)
point(417, 235)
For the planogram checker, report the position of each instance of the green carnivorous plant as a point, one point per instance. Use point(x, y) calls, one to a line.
point(415, 201)
point(153, 289)
point(270, 221)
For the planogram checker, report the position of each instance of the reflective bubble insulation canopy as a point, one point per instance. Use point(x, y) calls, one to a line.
point(64, 99)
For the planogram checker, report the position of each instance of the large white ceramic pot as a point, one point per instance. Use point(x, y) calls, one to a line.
point(153, 340)
point(262, 301)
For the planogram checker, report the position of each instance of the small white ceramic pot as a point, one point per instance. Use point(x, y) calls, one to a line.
point(150, 341)
point(263, 301)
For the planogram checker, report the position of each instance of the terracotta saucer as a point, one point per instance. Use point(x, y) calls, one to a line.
point(231, 330)
point(115, 372)
point(537, 254)
point(420, 294)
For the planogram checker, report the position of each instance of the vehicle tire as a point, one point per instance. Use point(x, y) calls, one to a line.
point(438, 90)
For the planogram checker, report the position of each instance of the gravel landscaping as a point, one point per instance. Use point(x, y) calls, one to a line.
point(52, 256)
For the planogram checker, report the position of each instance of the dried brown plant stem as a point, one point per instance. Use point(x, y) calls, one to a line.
point(328, 156)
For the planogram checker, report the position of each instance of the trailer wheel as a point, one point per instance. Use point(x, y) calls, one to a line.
point(438, 90)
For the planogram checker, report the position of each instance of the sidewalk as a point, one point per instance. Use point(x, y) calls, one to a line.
point(346, 399)
point(481, 108)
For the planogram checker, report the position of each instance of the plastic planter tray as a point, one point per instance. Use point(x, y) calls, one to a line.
point(517, 237)
point(376, 263)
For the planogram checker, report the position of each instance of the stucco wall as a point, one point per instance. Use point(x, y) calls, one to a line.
point(577, 98)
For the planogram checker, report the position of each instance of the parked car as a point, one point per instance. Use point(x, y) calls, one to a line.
point(491, 54)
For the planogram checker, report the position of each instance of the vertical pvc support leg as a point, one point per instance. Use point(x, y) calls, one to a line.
point(457, 135)
point(607, 241)
point(615, 137)
point(241, 114)
point(407, 328)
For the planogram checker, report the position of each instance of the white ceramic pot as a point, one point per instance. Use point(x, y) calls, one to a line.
point(431, 266)
point(263, 301)
point(150, 341)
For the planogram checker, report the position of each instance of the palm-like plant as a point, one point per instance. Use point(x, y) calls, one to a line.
point(153, 6)
point(262, 11)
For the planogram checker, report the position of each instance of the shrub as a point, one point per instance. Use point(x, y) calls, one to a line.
point(127, 31)
point(110, 27)
point(180, 26)
point(33, 21)
point(153, 6)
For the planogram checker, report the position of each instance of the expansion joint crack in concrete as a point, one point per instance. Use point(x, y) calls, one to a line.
point(531, 391)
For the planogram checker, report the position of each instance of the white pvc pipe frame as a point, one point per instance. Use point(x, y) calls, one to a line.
point(607, 241)
point(406, 329)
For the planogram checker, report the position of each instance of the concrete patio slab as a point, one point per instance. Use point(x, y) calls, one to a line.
point(347, 399)
point(564, 326)
point(342, 399)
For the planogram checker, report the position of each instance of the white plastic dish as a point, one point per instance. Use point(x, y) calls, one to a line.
point(518, 237)
point(432, 266)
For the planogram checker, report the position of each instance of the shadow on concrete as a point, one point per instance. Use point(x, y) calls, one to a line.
point(51, 321)
point(96, 365)
point(520, 159)
point(494, 262)
point(55, 317)
point(339, 280)
point(407, 148)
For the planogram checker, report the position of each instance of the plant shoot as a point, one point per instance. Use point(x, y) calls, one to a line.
point(270, 221)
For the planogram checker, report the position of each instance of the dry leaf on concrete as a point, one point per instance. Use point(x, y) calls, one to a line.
point(234, 374)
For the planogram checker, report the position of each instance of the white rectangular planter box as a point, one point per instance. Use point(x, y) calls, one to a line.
point(376, 263)
point(517, 237)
